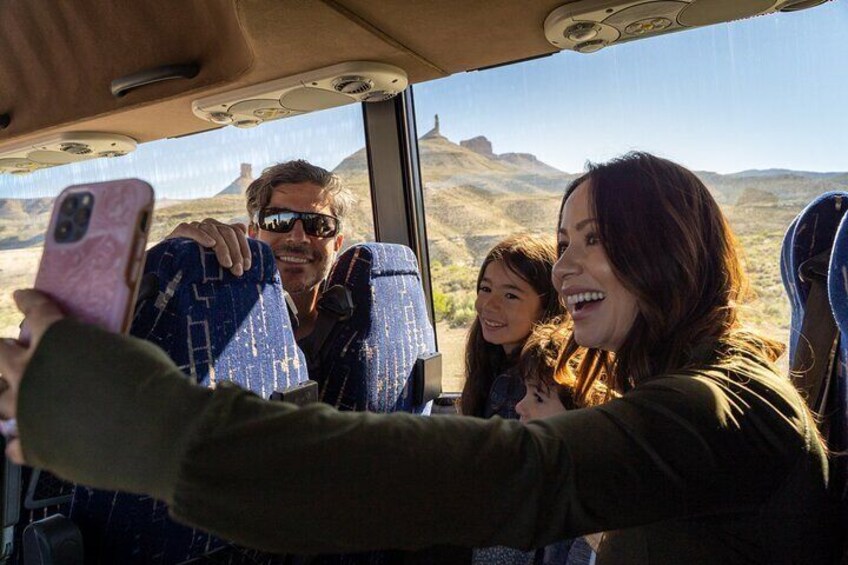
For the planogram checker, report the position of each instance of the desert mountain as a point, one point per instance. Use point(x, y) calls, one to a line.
point(23, 208)
point(472, 163)
point(238, 186)
point(473, 196)
point(790, 187)
point(12, 210)
point(526, 161)
point(23, 221)
point(753, 173)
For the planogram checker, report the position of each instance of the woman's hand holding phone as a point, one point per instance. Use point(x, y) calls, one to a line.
point(94, 251)
point(90, 269)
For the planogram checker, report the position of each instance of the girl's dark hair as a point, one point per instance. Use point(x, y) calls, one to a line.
point(539, 365)
point(532, 258)
point(538, 361)
point(669, 244)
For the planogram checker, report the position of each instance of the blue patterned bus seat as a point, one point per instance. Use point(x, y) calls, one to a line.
point(373, 354)
point(811, 233)
point(787, 277)
point(217, 328)
point(837, 433)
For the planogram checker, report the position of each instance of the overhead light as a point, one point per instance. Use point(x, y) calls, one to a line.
point(650, 25)
point(62, 149)
point(590, 46)
point(248, 123)
point(329, 87)
point(264, 109)
point(270, 113)
point(222, 118)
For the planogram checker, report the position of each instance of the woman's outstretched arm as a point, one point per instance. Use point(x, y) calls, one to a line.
point(114, 412)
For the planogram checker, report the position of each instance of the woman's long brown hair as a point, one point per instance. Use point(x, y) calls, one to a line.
point(531, 258)
point(669, 244)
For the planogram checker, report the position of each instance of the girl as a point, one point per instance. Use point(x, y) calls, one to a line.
point(514, 293)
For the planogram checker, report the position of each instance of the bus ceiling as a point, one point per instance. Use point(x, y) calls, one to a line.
point(143, 71)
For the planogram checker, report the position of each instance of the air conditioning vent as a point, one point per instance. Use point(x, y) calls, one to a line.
point(352, 85)
point(75, 148)
point(329, 87)
point(61, 149)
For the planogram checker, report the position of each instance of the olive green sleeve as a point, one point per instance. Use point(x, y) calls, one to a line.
point(284, 479)
point(106, 411)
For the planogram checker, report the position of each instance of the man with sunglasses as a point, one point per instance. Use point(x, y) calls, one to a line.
point(297, 209)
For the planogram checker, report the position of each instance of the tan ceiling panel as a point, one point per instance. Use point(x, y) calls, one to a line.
point(296, 36)
point(463, 35)
point(58, 59)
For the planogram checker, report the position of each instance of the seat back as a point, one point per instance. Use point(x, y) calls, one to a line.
point(837, 409)
point(219, 327)
point(370, 361)
point(216, 327)
point(811, 233)
point(371, 358)
point(787, 277)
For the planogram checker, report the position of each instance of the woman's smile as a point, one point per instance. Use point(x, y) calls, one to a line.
point(602, 308)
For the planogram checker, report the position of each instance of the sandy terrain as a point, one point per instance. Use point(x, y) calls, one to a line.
point(17, 270)
point(452, 347)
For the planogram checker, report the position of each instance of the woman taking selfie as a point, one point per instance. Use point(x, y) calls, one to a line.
point(708, 456)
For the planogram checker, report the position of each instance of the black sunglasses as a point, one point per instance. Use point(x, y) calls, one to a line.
point(280, 220)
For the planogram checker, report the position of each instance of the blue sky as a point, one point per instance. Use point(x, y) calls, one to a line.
point(762, 93)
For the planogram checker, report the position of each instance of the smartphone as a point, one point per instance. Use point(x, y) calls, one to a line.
point(94, 251)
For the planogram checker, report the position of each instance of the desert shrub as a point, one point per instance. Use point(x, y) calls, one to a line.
point(463, 317)
point(441, 305)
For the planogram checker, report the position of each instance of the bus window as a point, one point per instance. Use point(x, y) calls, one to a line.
point(755, 107)
point(196, 177)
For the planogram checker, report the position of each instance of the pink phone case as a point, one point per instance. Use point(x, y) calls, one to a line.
point(95, 279)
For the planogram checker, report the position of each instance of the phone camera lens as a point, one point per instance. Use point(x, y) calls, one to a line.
point(69, 206)
point(82, 216)
point(64, 230)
